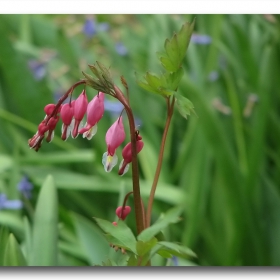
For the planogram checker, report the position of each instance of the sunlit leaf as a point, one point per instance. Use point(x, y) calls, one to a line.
point(184, 105)
point(169, 217)
point(45, 231)
point(13, 254)
point(144, 247)
point(120, 235)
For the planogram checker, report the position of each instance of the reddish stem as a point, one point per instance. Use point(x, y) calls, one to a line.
point(135, 173)
point(64, 97)
point(170, 108)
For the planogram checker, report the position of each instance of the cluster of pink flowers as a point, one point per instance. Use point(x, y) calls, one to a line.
point(72, 114)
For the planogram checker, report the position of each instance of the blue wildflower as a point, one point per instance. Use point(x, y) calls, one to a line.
point(25, 187)
point(121, 49)
point(201, 39)
point(90, 28)
point(9, 204)
point(213, 76)
point(175, 261)
point(37, 68)
point(103, 26)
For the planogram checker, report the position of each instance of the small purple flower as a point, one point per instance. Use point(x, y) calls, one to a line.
point(213, 76)
point(103, 26)
point(175, 261)
point(90, 28)
point(201, 39)
point(9, 204)
point(37, 68)
point(121, 49)
point(25, 187)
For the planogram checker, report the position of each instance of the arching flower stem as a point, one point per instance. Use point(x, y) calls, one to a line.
point(63, 98)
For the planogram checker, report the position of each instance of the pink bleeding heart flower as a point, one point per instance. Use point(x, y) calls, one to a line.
point(80, 108)
point(114, 137)
point(51, 127)
point(67, 113)
point(127, 154)
point(36, 141)
point(95, 111)
point(122, 212)
point(49, 109)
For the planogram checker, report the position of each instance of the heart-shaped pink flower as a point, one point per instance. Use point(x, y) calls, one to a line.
point(123, 212)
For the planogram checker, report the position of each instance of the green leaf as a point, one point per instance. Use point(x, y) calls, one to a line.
point(173, 79)
point(176, 249)
point(13, 254)
point(170, 216)
point(27, 239)
point(120, 235)
point(144, 247)
point(184, 37)
point(176, 47)
point(172, 50)
point(132, 261)
point(45, 232)
point(153, 80)
point(184, 105)
point(109, 262)
point(10, 220)
point(4, 236)
point(168, 64)
point(147, 87)
point(91, 239)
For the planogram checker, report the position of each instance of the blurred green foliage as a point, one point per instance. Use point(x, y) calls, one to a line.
point(224, 164)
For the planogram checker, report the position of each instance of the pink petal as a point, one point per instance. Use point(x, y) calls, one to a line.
point(80, 106)
point(115, 136)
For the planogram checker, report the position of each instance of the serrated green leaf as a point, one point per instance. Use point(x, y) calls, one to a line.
point(13, 254)
point(153, 80)
point(184, 105)
point(173, 79)
point(184, 37)
point(147, 87)
point(172, 50)
point(168, 64)
point(121, 234)
point(170, 216)
point(175, 48)
point(45, 231)
point(144, 247)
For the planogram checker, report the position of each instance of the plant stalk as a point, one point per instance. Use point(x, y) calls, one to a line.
point(135, 173)
point(170, 107)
